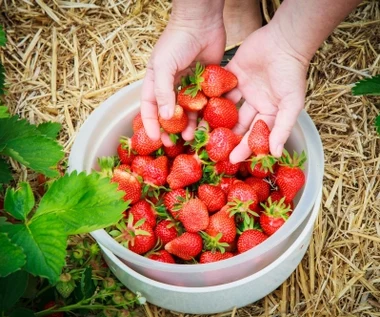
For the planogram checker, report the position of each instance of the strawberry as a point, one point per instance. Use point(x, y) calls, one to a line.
point(65, 285)
point(226, 183)
point(209, 256)
point(190, 99)
point(261, 187)
point(52, 304)
point(155, 172)
point(161, 256)
point(137, 236)
point(186, 246)
point(242, 197)
point(125, 155)
point(173, 198)
point(277, 196)
point(139, 163)
point(128, 183)
point(290, 177)
point(225, 167)
point(143, 210)
point(258, 138)
point(213, 80)
point(174, 150)
point(166, 231)
point(221, 223)
point(220, 144)
point(194, 215)
point(137, 122)
point(220, 112)
point(256, 169)
point(274, 215)
point(212, 196)
point(186, 170)
point(249, 239)
point(142, 144)
point(177, 123)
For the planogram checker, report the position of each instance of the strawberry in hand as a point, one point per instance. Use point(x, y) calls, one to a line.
point(175, 124)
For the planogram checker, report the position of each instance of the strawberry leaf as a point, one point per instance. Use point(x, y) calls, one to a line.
point(4, 112)
point(377, 124)
point(5, 172)
point(82, 202)
point(19, 202)
point(49, 129)
point(12, 288)
point(23, 142)
point(44, 244)
point(12, 257)
point(2, 79)
point(367, 86)
point(3, 38)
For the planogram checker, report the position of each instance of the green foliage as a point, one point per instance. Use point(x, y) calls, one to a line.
point(3, 38)
point(12, 257)
point(12, 288)
point(369, 86)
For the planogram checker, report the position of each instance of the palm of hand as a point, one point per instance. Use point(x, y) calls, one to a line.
point(272, 83)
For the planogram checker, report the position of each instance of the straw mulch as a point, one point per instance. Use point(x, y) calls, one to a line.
point(64, 58)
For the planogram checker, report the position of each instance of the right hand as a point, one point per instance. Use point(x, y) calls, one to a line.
point(182, 44)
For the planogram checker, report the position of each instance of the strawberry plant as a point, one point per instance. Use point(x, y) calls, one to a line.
point(369, 86)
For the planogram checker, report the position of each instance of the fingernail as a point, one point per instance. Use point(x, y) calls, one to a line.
point(164, 112)
point(278, 151)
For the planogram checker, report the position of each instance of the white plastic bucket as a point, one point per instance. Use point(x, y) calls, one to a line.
point(99, 136)
point(220, 298)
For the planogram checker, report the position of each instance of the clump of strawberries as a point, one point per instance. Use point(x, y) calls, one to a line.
point(188, 202)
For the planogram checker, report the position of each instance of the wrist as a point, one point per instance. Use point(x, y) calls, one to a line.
point(205, 14)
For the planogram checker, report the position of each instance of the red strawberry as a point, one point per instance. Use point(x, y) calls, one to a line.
point(274, 215)
point(220, 112)
point(277, 196)
point(212, 196)
point(51, 304)
point(186, 246)
point(258, 139)
point(125, 155)
point(174, 150)
point(161, 256)
point(209, 256)
point(190, 99)
point(225, 167)
point(142, 144)
point(186, 170)
point(139, 163)
point(261, 187)
point(213, 80)
point(166, 231)
point(177, 123)
point(257, 170)
point(143, 210)
point(128, 183)
point(249, 239)
point(137, 122)
point(242, 197)
point(194, 215)
point(290, 177)
point(221, 223)
point(174, 198)
point(156, 171)
point(226, 183)
point(220, 144)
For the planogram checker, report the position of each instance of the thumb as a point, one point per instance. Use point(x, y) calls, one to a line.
point(286, 118)
point(164, 75)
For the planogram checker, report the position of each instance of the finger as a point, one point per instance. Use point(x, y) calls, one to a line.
point(165, 138)
point(241, 151)
point(164, 76)
point(289, 109)
point(247, 113)
point(188, 133)
point(149, 107)
point(234, 95)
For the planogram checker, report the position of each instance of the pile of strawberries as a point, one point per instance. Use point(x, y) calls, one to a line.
point(188, 202)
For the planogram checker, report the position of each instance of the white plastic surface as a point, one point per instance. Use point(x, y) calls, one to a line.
point(99, 136)
point(220, 298)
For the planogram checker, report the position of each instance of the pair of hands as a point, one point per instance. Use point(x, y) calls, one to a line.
point(271, 81)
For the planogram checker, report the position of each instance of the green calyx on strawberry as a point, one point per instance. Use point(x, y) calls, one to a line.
point(214, 243)
point(274, 215)
point(107, 165)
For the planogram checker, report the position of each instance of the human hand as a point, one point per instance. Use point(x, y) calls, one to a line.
point(182, 43)
point(271, 80)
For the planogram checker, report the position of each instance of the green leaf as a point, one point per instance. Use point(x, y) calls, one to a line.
point(19, 202)
point(49, 129)
point(22, 312)
point(377, 124)
point(5, 172)
point(82, 202)
point(86, 288)
point(3, 38)
point(2, 79)
point(24, 142)
point(4, 112)
point(368, 86)
point(44, 243)
point(12, 288)
point(12, 257)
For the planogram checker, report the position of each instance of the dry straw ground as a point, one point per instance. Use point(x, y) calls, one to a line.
point(63, 58)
